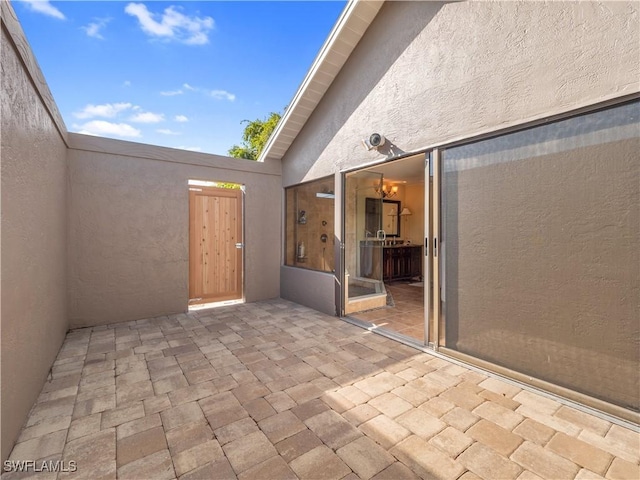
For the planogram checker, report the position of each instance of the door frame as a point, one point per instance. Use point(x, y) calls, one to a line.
point(431, 229)
point(239, 193)
point(374, 278)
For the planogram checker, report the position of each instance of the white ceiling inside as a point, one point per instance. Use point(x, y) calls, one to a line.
point(408, 170)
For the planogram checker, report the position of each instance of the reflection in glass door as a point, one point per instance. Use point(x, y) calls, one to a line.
point(540, 242)
point(364, 240)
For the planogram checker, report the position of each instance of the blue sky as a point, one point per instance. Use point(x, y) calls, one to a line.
point(177, 74)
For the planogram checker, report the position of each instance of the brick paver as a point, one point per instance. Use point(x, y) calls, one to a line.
point(275, 390)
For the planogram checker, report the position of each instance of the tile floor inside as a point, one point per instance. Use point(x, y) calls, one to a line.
point(405, 316)
point(274, 390)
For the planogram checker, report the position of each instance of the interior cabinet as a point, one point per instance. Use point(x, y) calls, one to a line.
point(402, 262)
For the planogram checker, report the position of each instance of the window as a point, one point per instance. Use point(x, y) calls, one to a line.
point(309, 225)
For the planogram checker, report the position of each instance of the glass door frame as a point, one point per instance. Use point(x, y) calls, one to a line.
point(359, 186)
point(430, 253)
point(428, 234)
point(436, 321)
point(431, 270)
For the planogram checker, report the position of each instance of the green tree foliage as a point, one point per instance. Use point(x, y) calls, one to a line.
point(254, 137)
point(230, 186)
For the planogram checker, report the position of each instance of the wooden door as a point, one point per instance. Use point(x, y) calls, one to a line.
point(215, 244)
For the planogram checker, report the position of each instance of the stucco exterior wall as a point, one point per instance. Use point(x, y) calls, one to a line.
point(298, 282)
point(34, 233)
point(427, 73)
point(129, 227)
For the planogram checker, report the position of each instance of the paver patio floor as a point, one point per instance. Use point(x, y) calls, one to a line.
point(274, 390)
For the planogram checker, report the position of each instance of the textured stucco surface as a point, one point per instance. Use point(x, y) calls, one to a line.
point(34, 233)
point(311, 288)
point(129, 227)
point(426, 73)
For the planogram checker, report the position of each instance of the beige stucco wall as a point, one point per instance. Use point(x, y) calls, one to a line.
point(129, 227)
point(34, 233)
point(427, 72)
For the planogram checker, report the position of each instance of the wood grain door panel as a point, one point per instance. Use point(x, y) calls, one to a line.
point(215, 232)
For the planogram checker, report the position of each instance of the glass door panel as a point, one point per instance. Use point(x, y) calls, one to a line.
point(540, 241)
point(364, 241)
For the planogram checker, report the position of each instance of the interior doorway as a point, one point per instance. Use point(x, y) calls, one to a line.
point(386, 223)
point(215, 242)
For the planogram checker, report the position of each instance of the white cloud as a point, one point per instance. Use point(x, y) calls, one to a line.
point(44, 7)
point(172, 25)
point(93, 29)
point(166, 131)
point(126, 83)
point(222, 95)
point(217, 94)
point(107, 110)
point(181, 118)
point(103, 128)
point(147, 117)
point(192, 149)
point(171, 93)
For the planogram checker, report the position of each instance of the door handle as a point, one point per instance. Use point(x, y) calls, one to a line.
point(240, 245)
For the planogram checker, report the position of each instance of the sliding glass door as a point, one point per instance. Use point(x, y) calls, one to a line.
point(364, 240)
point(387, 272)
point(529, 254)
point(541, 246)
